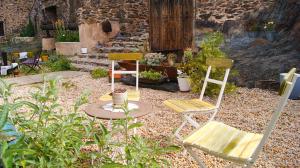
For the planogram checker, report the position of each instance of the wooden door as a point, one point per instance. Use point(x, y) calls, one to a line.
point(171, 24)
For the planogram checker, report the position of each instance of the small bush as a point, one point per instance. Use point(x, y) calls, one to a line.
point(63, 35)
point(59, 63)
point(99, 73)
point(28, 30)
point(152, 75)
point(196, 68)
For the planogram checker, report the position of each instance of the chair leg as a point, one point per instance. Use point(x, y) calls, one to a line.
point(194, 155)
point(179, 129)
point(187, 119)
point(213, 115)
point(191, 121)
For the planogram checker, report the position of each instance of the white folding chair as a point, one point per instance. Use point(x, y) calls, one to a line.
point(188, 108)
point(240, 147)
point(133, 95)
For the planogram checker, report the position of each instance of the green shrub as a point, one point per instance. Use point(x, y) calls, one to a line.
point(68, 36)
point(196, 67)
point(63, 35)
point(28, 30)
point(152, 75)
point(99, 73)
point(53, 137)
point(59, 63)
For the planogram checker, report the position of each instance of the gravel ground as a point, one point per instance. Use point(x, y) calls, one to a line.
point(247, 109)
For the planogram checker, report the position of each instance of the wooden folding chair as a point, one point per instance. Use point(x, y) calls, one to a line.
point(133, 95)
point(188, 108)
point(240, 147)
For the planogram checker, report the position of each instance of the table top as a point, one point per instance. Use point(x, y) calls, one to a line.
point(97, 110)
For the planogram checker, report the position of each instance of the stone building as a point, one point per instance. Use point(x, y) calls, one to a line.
point(13, 16)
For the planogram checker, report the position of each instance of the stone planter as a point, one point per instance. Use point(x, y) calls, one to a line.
point(270, 35)
point(67, 48)
point(119, 97)
point(184, 84)
point(48, 44)
point(295, 95)
point(23, 39)
point(253, 34)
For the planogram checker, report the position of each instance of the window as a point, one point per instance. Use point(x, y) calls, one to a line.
point(1, 28)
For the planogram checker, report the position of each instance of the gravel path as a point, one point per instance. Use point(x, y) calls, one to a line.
point(247, 109)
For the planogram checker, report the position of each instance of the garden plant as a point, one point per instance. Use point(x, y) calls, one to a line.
point(49, 136)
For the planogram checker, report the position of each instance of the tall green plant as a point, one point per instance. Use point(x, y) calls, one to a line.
point(63, 35)
point(28, 30)
point(196, 66)
point(55, 138)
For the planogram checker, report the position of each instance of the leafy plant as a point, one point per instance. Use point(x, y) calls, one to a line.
point(55, 138)
point(99, 73)
point(154, 59)
point(269, 26)
point(139, 152)
point(152, 75)
point(63, 35)
point(59, 63)
point(195, 66)
point(28, 30)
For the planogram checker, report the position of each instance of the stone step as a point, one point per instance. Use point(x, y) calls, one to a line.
point(116, 49)
point(87, 68)
point(90, 61)
point(94, 55)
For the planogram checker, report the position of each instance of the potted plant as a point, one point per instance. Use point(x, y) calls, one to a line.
point(16, 72)
point(269, 30)
point(119, 97)
point(44, 56)
point(27, 34)
point(151, 77)
point(254, 30)
point(183, 71)
point(67, 42)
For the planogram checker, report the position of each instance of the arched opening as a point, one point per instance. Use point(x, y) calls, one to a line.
point(106, 26)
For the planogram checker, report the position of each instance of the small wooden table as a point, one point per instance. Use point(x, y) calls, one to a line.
point(97, 110)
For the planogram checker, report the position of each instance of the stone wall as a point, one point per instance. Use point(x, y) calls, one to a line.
point(15, 15)
point(217, 12)
point(131, 14)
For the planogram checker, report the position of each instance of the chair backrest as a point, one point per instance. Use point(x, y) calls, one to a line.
point(285, 90)
point(128, 57)
point(222, 63)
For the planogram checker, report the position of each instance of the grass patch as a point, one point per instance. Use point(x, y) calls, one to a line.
point(99, 73)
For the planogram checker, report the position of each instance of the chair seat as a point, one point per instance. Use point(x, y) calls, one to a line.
point(224, 141)
point(133, 95)
point(192, 105)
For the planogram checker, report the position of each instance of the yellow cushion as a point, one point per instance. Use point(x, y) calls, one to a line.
point(133, 95)
point(224, 141)
point(192, 105)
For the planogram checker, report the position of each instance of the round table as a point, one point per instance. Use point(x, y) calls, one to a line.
point(96, 110)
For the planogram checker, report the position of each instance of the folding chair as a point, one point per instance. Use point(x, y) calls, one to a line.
point(132, 95)
point(32, 63)
point(231, 144)
point(188, 108)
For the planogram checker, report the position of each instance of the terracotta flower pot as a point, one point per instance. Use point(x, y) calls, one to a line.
point(44, 58)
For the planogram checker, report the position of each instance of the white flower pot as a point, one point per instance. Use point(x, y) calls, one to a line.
point(184, 84)
point(84, 50)
point(119, 98)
